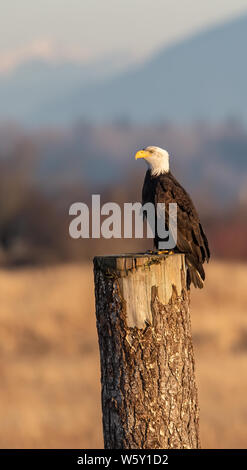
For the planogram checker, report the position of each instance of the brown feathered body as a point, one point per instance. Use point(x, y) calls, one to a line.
point(191, 238)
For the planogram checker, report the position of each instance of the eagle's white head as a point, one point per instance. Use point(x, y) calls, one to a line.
point(157, 159)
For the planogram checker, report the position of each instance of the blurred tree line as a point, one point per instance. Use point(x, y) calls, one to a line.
point(35, 198)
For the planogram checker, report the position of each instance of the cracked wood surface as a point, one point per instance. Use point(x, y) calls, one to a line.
point(149, 394)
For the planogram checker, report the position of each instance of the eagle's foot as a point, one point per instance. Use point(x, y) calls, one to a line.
point(159, 252)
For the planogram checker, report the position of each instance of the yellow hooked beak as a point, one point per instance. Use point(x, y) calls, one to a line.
point(142, 154)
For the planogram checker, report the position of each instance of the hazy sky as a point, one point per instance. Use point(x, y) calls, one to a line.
point(87, 29)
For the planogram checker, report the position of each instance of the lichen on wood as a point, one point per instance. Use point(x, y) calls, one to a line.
point(149, 394)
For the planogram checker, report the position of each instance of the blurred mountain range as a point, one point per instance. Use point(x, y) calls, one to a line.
point(31, 86)
point(202, 77)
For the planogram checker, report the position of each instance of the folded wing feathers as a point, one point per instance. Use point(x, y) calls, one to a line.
point(191, 238)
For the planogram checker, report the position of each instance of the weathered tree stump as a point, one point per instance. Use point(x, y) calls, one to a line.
point(149, 393)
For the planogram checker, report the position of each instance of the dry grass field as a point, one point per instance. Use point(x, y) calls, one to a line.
point(49, 364)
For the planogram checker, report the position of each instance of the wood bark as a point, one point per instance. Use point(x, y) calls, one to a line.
point(149, 393)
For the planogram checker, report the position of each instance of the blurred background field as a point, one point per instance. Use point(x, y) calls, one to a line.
point(50, 378)
point(78, 98)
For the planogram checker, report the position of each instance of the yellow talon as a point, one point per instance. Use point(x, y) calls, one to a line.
point(159, 252)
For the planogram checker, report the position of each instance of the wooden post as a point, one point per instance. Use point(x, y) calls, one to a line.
point(149, 394)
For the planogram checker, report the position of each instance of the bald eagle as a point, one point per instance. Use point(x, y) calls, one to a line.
point(160, 186)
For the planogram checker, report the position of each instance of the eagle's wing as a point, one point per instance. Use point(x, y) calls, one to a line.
point(191, 238)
